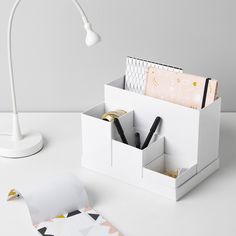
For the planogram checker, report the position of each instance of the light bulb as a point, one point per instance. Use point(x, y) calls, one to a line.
point(92, 37)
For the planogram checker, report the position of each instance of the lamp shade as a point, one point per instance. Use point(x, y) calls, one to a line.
point(92, 37)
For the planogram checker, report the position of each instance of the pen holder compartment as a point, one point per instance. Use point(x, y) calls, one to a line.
point(97, 136)
point(127, 160)
point(154, 177)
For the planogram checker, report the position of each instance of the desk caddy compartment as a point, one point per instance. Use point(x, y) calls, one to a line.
point(187, 139)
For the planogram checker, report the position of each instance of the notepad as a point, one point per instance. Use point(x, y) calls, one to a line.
point(184, 89)
point(59, 207)
point(82, 222)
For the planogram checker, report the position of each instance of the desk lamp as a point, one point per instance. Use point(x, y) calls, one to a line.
point(16, 144)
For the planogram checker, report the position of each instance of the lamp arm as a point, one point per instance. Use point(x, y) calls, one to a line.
point(82, 13)
point(16, 131)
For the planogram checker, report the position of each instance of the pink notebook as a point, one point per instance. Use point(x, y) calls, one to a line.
point(184, 89)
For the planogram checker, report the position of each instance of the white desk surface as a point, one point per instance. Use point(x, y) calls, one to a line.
point(209, 209)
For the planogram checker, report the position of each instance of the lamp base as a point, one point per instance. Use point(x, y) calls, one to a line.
point(30, 144)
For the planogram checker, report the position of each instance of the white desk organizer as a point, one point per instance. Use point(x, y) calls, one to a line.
point(187, 138)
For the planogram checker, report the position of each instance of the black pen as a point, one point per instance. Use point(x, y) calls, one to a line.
point(120, 130)
point(151, 132)
point(137, 140)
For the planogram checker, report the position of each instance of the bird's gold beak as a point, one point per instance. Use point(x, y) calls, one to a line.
point(12, 195)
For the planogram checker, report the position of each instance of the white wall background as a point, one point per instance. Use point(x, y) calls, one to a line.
point(54, 70)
